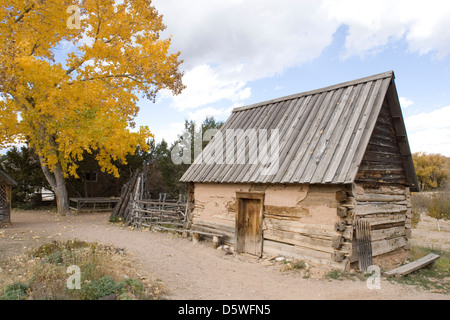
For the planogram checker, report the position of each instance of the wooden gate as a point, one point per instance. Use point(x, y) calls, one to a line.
point(249, 222)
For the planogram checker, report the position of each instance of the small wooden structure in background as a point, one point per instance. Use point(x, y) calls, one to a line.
point(92, 204)
point(6, 183)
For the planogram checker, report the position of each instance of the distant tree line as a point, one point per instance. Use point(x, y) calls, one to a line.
point(163, 175)
point(432, 170)
point(433, 174)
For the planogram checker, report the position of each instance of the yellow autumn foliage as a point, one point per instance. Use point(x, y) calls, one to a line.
point(88, 101)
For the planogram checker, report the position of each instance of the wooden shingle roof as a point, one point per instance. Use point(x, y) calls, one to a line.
point(323, 135)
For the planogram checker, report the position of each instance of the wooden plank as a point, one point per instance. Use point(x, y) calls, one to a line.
point(361, 136)
point(248, 151)
point(273, 248)
point(362, 210)
point(302, 241)
point(389, 233)
point(320, 231)
point(252, 119)
point(213, 225)
point(413, 266)
point(205, 233)
point(346, 131)
point(374, 197)
point(297, 137)
point(319, 137)
point(298, 115)
point(302, 152)
point(331, 137)
point(388, 245)
point(277, 111)
point(382, 219)
point(298, 238)
point(288, 128)
point(384, 190)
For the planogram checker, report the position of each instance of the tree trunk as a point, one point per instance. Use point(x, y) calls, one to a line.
point(56, 180)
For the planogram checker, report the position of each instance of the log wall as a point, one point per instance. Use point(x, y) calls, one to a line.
point(388, 209)
point(382, 196)
point(382, 163)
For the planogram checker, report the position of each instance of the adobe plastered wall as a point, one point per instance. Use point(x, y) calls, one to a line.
point(313, 204)
point(299, 220)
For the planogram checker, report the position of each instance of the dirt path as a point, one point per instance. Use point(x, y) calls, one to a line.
point(191, 271)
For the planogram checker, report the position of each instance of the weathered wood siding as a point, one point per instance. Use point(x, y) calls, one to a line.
point(382, 197)
point(5, 204)
point(388, 209)
point(382, 162)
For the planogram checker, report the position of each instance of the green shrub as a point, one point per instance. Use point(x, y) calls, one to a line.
point(335, 274)
point(99, 288)
point(90, 271)
point(55, 257)
point(15, 291)
point(115, 219)
point(132, 285)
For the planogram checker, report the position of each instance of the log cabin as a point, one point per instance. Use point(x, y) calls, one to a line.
point(6, 183)
point(342, 157)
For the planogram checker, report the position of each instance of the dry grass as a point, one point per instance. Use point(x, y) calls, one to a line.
point(105, 271)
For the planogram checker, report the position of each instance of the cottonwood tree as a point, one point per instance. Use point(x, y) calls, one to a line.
point(439, 207)
point(86, 101)
point(431, 169)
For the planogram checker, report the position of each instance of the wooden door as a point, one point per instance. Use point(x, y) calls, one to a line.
point(249, 223)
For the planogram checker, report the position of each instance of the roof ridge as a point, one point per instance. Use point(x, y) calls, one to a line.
point(321, 90)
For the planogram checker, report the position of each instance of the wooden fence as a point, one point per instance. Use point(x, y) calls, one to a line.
point(160, 215)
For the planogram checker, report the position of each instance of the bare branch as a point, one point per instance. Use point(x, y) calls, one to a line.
point(27, 9)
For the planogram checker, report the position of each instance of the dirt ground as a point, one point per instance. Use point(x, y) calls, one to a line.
point(197, 271)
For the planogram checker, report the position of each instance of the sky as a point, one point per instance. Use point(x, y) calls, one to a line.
point(240, 52)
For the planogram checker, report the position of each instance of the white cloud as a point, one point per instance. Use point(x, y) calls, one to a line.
point(430, 132)
point(264, 36)
point(207, 85)
point(169, 134)
point(200, 115)
point(405, 102)
point(373, 25)
point(228, 44)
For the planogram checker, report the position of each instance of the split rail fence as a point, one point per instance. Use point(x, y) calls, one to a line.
point(160, 214)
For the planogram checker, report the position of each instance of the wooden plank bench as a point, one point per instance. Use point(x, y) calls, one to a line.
point(93, 204)
point(413, 266)
point(196, 236)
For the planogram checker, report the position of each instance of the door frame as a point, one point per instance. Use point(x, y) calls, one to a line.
point(242, 196)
